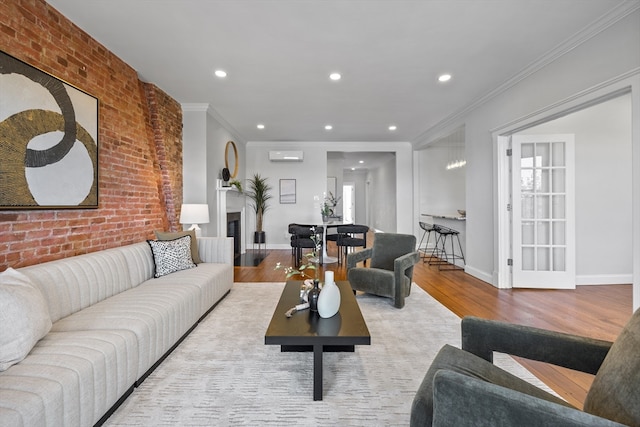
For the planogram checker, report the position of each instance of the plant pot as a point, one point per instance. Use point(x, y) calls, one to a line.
point(259, 237)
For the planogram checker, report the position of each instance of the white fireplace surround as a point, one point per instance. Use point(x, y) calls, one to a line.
point(222, 207)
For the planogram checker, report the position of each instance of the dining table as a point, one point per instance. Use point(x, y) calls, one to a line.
point(329, 223)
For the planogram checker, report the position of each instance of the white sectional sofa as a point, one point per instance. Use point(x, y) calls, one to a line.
point(112, 323)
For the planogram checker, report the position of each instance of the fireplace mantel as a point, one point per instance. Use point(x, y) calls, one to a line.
point(222, 208)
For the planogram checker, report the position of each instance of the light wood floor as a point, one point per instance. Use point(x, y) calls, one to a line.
point(595, 311)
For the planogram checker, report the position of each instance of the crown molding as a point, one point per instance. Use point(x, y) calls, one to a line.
point(207, 109)
point(612, 17)
point(578, 101)
point(198, 107)
point(225, 124)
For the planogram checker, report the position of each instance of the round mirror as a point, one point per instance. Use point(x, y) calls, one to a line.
point(231, 157)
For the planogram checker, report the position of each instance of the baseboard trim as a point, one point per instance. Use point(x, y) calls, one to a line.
point(604, 279)
point(479, 274)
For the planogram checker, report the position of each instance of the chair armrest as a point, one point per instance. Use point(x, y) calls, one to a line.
point(460, 400)
point(356, 257)
point(482, 337)
point(400, 266)
point(403, 263)
point(216, 249)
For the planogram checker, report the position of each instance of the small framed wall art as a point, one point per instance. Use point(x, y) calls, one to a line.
point(287, 191)
point(48, 141)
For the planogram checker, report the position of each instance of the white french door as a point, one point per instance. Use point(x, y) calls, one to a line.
point(543, 211)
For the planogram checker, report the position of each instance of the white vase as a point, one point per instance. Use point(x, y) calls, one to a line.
point(329, 299)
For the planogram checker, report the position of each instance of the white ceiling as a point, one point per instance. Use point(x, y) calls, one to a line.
point(278, 55)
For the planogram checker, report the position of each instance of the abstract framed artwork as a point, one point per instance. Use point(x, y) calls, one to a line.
point(48, 141)
point(287, 191)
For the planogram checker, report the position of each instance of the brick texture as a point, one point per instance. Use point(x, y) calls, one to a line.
point(140, 144)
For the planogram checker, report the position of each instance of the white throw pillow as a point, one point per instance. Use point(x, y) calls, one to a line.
point(171, 255)
point(24, 317)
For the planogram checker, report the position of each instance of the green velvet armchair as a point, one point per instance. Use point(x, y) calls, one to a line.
point(464, 388)
point(390, 270)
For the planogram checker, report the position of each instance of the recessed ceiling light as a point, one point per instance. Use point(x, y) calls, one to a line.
point(335, 76)
point(393, 127)
point(361, 161)
point(444, 78)
point(260, 126)
point(353, 169)
point(220, 73)
point(328, 127)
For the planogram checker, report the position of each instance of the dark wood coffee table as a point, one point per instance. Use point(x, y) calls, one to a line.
point(307, 331)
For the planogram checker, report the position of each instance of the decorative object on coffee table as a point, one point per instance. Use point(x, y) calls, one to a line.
point(314, 295)
point(329, 299)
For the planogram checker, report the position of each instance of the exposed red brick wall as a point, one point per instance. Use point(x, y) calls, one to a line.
point(140, 166)
point(166, 120)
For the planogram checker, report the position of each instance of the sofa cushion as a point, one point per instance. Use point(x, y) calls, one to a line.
point(165, 235)
point(72, 284)
point(157, 313)
point(170, 256)
point(69, 379)
point(24, 317)
point(212, 279)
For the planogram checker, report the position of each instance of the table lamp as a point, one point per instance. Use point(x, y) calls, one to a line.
point(194, 214)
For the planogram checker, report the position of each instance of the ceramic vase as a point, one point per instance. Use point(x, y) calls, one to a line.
point(329, 299)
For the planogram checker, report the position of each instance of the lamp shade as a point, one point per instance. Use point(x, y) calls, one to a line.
point(194, 214)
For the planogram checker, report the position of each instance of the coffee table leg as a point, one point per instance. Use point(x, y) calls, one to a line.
point(317, 372)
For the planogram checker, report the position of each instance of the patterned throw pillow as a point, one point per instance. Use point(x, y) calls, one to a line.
point(171, 255)
point(166, 235)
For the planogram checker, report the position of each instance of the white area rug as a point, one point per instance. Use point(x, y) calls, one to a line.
point(223, 373)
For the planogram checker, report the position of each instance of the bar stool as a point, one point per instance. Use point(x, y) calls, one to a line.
point(439, 256)
point(428, 229)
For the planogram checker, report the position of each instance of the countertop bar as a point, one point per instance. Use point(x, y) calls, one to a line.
point(455, 217)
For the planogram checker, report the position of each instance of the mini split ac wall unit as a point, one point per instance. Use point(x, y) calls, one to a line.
point(286, 156)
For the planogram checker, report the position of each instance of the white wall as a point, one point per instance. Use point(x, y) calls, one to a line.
point(217, 138)
point(310, 176)
point(194, 143)
point(603, 189)
point(335, 169)
point(204, 142)
point(609, 58)
point(442, 190)
point(382, 201)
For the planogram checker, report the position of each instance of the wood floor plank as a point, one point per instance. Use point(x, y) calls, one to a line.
point(594, 311)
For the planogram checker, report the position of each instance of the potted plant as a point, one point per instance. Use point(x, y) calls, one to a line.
point(329, 206)
point(258, 192)
point(237, 184)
